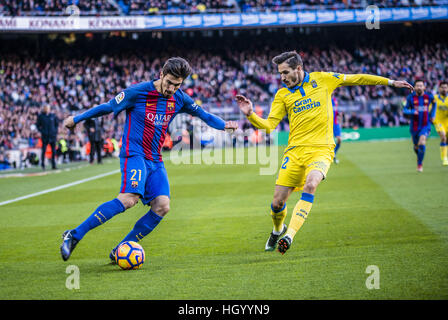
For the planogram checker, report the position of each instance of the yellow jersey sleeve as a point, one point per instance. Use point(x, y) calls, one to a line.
point(277, 113)
point(334, 80)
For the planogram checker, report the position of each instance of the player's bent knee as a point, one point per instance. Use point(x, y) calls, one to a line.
point(128, 199)
point(422, 141)
point(161, 210)
point(310, 188)
point(278, 204)
point(311, 183)
point(160, 205)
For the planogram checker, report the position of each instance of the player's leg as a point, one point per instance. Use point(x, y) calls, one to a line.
point(278, 215)
point(336, 148)
point(132, 188)
point(301, 210)
point(443, 144)
point(445, 151)
point(159, 208)
point(337, 136)
point(103, 213)
point(415, 136)
point(129, 195)
point(289, 176)
point(421, 151)
point(157, 196)
point(317, 162)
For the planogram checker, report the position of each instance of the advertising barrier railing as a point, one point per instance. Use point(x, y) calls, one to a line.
point(221, 20)
point(366, 134)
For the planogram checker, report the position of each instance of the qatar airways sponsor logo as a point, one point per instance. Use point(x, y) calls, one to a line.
point(159, 119)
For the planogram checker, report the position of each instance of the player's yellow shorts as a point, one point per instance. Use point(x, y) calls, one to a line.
point(441, 125)
point(298, 161)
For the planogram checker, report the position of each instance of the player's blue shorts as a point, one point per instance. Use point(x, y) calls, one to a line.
point(145, 177)
point(337, 130)
point(425, 131)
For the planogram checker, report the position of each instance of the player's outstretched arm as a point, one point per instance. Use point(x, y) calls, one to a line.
point(276, 115)
point(210, 119)
point(215, 121)
point(97, 111)
point(371, 80)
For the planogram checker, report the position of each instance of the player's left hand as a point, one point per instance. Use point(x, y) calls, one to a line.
point(231, 126)
point(403, 84)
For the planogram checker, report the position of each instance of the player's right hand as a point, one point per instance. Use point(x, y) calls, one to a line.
point(69, 123)
point(244, 104)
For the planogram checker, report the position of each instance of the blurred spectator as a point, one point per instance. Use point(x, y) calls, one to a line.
point(94, 128)
point(62, 150)
point(355, 121)
point(375, 122)
point(47, 124)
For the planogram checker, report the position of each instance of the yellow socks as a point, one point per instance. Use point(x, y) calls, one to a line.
point(278, 218)
point(443, 151)
point(300, 213)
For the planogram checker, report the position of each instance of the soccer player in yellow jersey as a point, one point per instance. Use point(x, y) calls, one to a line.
point(306, 100)
point(441, 120)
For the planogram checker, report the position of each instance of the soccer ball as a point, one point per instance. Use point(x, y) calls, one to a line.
point(130, 255)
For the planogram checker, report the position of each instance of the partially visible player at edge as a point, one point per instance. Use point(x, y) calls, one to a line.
point(336, 128)
point(441, 120)
point(306, 100)
point(420, 106)
point(150, 107)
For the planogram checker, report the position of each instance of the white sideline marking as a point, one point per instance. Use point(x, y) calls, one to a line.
point(64, 186)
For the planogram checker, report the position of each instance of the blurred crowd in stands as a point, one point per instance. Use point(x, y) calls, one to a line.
point(68, 81)
point(144, 7)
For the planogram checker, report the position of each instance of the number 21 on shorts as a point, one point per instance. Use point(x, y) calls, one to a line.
point(134, 173)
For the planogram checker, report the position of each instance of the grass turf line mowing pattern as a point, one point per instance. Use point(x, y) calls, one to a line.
point(211, 244)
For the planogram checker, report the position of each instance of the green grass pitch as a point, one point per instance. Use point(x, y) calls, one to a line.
point(374, 209)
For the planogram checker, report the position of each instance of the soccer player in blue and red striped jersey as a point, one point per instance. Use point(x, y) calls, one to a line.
point(421, 107)
point(336, 128)
point(150, 107)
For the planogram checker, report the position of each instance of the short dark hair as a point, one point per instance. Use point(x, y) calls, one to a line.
point(292, 58)
point(443, 82)
point(419, 80)
point(177, 67)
